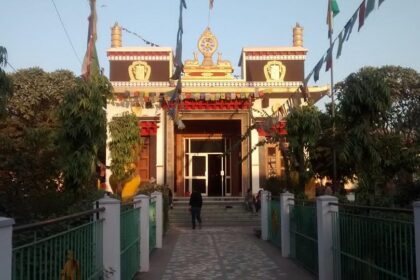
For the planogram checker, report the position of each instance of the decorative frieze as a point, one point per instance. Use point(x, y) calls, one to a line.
point(139, 57)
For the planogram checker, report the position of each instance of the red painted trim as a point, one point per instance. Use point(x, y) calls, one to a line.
point(148, 128)
point(191, 105)
point(278, 128)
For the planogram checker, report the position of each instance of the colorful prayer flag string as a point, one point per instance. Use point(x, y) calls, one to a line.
point(140, 37)
point(362, 12)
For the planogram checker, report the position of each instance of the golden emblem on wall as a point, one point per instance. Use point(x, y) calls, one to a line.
point(274, 71)
point(139, 71)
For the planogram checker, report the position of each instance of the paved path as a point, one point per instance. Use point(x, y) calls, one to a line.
point(219, 253)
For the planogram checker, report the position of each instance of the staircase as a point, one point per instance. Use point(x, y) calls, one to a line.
point(216, 211)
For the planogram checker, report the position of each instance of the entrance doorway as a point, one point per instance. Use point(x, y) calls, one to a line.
point(215, 177)
point(206, 166)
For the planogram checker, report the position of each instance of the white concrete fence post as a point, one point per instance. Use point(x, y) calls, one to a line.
point(416, 208)
point(111, 237)
point(6, 231)
point(159, 218)
point(286, 199)
point(325, 236)
point(143, 201)
point(265, 197)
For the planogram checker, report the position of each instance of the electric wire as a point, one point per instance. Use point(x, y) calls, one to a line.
point(65, 31)
point(10, 65)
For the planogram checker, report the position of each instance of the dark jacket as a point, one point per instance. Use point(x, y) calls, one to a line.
point(196, 200)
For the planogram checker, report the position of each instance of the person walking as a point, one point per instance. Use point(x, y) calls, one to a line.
point(196, 202)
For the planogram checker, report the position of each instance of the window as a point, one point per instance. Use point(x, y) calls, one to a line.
point(274, 162)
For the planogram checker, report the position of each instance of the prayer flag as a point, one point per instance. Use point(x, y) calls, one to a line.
point(90, 65)
point(211, 3)
point(328, 59)
point(362, 11)
point(380, 2)
point(308, 77)
point(317, 69)
point(340, 44)
point(370, 6)
point(332, 11)
point(334, 7)
point(349, 26)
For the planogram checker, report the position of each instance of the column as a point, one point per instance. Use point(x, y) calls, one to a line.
point(159, 218)
point(265, 199)
point(325, 236)
point(6, 230)
point(255, 162)
point(143, 201)
point(170, 153)
point(416, 208)
point(160, 151)
point(286, 199)
point(111, 248)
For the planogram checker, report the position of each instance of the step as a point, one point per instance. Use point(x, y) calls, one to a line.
point(219, 223)
point(212, 198)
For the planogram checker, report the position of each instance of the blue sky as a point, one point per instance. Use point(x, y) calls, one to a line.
point(32, 33)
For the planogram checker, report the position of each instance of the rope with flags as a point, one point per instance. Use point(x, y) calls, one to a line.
point(175, 98)
point(140, 37)
point(361, 14)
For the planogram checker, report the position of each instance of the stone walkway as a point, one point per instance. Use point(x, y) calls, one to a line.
point(219, 253)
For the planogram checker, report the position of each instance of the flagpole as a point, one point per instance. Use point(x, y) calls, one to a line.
point(332, 96)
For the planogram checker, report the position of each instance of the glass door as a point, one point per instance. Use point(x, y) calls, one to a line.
point(199, 173)
point(206, 166)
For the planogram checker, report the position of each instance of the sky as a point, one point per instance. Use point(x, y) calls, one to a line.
point(33, 35)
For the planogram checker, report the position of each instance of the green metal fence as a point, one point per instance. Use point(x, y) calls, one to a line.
point(373, 244)
point(152, 224)
point(130, 241)
point(303, 235)
point(274, 225)
point(62, 249)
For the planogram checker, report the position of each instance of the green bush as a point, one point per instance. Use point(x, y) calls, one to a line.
point(276, 185)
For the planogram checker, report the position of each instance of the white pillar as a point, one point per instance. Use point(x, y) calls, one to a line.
point(143, 201)
point(255, 162)
point(416, 208)
point(325, 235)
point(159, 218)
point(111, 248)
point(265, 197)
point(6, 230)
point(160, 151)
point(286, 199)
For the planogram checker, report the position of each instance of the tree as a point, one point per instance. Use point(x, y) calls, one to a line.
point(83, 130)
point(379, 109)
point(29, 147)
point(364, 100)
point(124, 147)
point(5, 89)
point(303, 127)
point(321, 156)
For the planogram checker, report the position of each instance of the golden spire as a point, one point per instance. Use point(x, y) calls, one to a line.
point(298, 36)
point(116, 41)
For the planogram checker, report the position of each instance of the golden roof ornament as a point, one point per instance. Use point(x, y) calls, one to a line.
point(207, 45)
point(207, 70)
point(298, 36)
point(116, 41)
